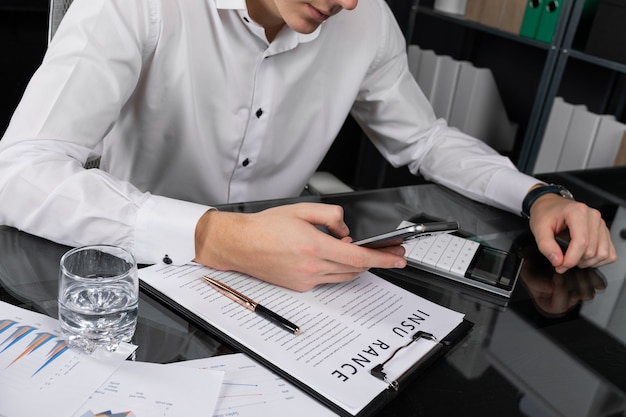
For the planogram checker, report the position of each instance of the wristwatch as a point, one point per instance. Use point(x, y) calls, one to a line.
point(539, 191)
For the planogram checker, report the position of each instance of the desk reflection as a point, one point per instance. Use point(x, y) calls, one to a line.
point(556, 347)
point(556, 377)
point(556, 294)
point(29, 268)
point(609, 312)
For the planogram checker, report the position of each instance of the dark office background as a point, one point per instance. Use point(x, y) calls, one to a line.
point(23, 38)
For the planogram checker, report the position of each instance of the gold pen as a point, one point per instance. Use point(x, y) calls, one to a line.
point(251, 305)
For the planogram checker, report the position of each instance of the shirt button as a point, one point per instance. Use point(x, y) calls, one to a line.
point(167, 260)
point(245, 162)
point(259, 113)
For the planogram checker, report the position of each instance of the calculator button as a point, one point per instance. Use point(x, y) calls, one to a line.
point(445, 252)
point(417, 248)
point(463, 260)
point(437, 249)
point(451, 253)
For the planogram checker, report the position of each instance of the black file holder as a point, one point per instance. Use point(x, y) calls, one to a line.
point(377, 403)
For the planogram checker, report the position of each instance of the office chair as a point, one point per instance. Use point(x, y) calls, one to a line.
point(56, 12)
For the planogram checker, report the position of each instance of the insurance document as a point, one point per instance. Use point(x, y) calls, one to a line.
point(346, 329)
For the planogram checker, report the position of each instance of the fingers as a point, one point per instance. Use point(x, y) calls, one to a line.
point(600, 250)
point(336, 251)
point(319, 271)
point(590, 242)
point(328, 215)
point(339, 260)
point(583, 239)
point(396, 250)
point(591, 246)
point(308, 282)
point(282, 246)
point(549, 247)
point(343, 252)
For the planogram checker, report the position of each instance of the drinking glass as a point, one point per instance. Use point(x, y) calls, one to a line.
point(98, 297)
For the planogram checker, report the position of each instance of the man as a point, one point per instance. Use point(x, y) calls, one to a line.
point(192, 103)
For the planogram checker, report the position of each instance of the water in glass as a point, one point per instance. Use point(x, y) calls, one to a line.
point(98, 293)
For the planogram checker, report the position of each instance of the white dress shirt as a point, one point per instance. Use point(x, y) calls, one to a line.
point(190, 106)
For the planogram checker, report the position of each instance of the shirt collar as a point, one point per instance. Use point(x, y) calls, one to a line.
point(241, 5)
point(231, 4)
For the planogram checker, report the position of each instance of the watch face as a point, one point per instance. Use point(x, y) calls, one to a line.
point(565, 192)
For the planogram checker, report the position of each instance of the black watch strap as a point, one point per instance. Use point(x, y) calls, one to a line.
point(532, 196)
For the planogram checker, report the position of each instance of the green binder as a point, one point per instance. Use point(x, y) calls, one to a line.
point(530, 24)
point(549, 19)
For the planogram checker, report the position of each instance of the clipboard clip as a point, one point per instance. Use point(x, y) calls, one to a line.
point(378, 370)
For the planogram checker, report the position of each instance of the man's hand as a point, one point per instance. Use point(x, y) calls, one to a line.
point(590, 240)
point(282, 246)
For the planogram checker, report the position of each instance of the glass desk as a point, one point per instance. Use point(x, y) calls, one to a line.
point(556, 347)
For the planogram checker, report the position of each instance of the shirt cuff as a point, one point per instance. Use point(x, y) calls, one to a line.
point(507, 189)
point(165, 230)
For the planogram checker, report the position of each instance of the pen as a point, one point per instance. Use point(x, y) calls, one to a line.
point(251, 305)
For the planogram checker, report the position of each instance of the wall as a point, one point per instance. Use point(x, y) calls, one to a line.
point(23, 39)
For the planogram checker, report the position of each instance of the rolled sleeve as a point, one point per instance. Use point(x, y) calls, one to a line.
point(165, 230)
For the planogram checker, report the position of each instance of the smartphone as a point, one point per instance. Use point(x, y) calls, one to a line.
point(401, 235)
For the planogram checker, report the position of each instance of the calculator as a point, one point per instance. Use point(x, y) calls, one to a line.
point(464, 260)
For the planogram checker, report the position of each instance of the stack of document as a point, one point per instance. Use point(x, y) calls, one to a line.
point(456, 7)
point(151, 389)
point(466, 96)
point(232, 385)
point(576, 138)
point(36, 363)
point(40, 373)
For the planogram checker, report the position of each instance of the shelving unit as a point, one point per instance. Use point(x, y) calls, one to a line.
point(523, 67)
point(580, 78)
point(529, 73)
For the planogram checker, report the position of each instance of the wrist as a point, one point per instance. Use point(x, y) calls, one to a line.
point(541, 190)
point(201, 235)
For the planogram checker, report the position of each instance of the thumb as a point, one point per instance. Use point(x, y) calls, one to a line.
point(550, 248)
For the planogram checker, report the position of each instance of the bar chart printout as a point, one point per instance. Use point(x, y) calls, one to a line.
point(143, 389)
point(39, 373)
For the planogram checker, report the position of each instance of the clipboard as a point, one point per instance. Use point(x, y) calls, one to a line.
point(378, 370)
